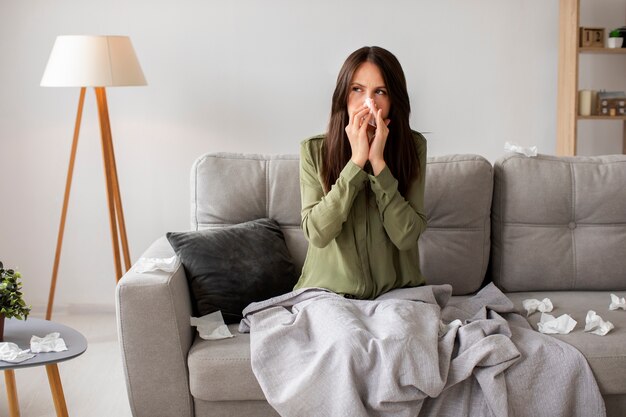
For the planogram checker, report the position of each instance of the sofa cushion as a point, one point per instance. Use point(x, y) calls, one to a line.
point(606, 354)
point(211, 362)
point(559, 223)
point(232, 266)
point(454, 249)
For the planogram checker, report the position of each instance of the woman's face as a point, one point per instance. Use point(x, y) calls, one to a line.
point(368, 81)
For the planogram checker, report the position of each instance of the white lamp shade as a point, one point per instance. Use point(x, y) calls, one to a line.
point(92, 61)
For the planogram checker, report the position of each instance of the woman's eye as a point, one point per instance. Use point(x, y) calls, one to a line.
point(381, 92)
point(356, 89)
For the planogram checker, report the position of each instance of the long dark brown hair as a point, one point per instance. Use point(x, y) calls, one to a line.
point(400, 153)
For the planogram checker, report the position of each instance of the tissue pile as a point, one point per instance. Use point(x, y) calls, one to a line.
point(514, 147)
point(52, 342)
point(561, 325)
point(154, 264)
point(211, 326)
point(564, 324)
point(596, 325)
point(10, 352)
point(617, 302)
point(532, 305)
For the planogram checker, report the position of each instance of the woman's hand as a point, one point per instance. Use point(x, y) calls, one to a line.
point(377, 147)
point(357, 135)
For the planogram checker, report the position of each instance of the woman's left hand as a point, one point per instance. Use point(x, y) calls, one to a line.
point(377, 146)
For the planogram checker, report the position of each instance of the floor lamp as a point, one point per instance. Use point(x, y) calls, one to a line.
point(98, 62)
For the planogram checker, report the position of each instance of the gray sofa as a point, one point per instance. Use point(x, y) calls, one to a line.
point(537, 227)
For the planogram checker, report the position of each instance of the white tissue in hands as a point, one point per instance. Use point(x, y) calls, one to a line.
point(531, 305)
point(10, 352)
point(596, 325)
point(550, 325)
point(370, 104)
point(51, 342)
point(617, 302)
point(211, 326)
point(154, 264)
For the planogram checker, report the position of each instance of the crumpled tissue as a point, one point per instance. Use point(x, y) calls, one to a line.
point(531, 305)
point(514, 147)
point(596, 325)
point(211, 326)
point(153, 264)
point(370, 104)
point(617, 302)
point(561, 325)
point(52, 342)
point(10, 352)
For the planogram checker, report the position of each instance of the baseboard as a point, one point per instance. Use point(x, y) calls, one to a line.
point(73, 308)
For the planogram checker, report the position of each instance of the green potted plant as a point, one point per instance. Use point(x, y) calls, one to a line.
point(12, 304)
point(615, 39)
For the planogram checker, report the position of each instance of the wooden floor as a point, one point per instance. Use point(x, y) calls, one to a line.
point(93, 383)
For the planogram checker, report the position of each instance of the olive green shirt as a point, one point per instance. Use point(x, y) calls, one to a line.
point(358, 245)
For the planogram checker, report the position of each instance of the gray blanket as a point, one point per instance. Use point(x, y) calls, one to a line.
point(410, 353)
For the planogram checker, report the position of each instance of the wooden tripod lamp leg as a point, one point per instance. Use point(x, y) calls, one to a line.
point(116, 188)
point(68, 186)
point(105, 130)
point(116, 213)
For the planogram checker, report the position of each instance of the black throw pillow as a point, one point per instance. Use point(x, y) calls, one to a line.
point(230, 267)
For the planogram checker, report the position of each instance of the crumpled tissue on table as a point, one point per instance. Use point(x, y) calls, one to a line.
point(531, 305)
point(52, 342)
point(617, 302)
point(596, 325)
point(514, 147)
point(561, 325)
point(211, 326)
point(157, 264)
point(10, 352)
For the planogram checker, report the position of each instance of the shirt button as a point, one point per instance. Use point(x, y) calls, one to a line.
point(572, 225)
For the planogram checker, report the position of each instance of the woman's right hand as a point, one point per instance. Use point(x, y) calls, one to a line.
point(357, 135)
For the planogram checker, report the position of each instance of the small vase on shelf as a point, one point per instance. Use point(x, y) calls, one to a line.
point(615, 43)
point(616, 38)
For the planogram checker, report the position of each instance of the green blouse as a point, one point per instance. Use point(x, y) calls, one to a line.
point(358, 245)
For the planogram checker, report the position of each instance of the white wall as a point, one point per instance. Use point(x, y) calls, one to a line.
point(243, 76)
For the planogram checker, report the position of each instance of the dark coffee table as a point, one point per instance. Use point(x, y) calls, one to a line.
point(20, 332)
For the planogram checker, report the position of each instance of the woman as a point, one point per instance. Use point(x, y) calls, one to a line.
point(362, 184)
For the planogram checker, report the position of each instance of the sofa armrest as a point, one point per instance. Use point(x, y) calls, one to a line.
point(153, 311)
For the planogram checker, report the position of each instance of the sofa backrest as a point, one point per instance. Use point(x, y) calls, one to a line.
point(559, 223)
point(228, 188)
point(231, 188)
point(455, 247)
